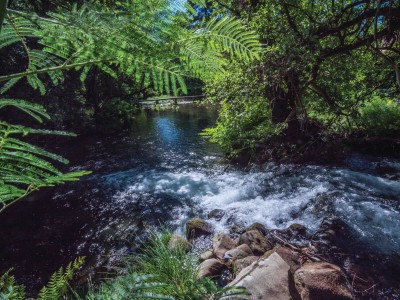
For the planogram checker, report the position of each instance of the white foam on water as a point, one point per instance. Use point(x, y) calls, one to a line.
point(277, 201)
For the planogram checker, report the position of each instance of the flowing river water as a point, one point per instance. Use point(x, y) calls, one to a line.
point(161, 172)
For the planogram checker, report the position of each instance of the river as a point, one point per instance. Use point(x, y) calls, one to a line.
point(161, 172)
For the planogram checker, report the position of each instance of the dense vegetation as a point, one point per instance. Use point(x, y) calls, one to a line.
point(291, 77)
point(328, 68)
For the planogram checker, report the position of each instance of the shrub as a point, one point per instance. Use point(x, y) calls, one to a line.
point(380, 117)
point(162, 273)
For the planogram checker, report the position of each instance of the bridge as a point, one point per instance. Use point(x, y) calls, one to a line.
point(173, 100)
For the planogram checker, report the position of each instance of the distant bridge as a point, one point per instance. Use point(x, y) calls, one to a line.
point(173, 100)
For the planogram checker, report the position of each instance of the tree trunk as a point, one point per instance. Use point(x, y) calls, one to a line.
point(284, 104)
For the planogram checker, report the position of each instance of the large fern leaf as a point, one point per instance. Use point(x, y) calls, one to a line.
point(138, 39)
point(24, 167)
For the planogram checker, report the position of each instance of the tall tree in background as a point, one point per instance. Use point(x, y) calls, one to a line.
point(323, 56)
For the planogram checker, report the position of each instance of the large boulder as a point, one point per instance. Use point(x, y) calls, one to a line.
point(256, 241)
point(321, 280)
point(210, 268)
point(177, 242)
point(221, 244)
point(239, 252)
point(265, 279)
point(242, 263)
point(197, 227)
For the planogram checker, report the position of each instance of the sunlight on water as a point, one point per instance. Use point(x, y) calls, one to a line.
point(277, 200)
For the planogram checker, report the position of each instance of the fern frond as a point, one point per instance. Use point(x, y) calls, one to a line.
point(58, 283)
point(9, 290)
point(24, 167)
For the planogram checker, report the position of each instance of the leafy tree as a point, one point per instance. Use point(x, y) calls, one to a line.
point(146, 40)
point(323, 59)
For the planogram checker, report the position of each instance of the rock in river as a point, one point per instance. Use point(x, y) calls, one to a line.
point(210, 268)
point(265, 279)
point(197, 227)
point(256, 241)
point(321, 280)
point(221, 244)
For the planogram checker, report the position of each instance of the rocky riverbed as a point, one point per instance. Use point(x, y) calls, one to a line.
point(280, 264)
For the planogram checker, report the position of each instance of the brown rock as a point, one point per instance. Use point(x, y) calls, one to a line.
point(256, 241)
point(242, 263)
point(177, 242)
point(239, 252)
point(197, 227)
point(221, 244)
point(258, 226)
point(210, 267)
point(321, 280)
point(290, 257)
point(265, 279)
point(206, 255)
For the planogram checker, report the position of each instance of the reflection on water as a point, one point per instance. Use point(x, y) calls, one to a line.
point(162, 172)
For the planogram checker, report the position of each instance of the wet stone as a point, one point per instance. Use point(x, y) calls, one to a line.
point(216, 214)
point(221, 244)
point(259, 227)
point(197, 227)
point(211, 268)
point(256, 241)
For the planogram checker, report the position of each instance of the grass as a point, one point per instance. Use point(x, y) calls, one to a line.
point(162, 273)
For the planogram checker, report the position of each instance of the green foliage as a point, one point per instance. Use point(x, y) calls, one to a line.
point(129, 286)
point(56, 288)
point(146, 42)
point(178, 271)
point(245, 116)
point(9, 290)
point(379, 117)
point(3, 11)
point(174, 276)
point(59, 281)
point(24, 167)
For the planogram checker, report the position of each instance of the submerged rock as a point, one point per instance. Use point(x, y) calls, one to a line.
point(321, 280)
point(221, 244)
point(265, 279)
point(210, 268)
point(216, 214)
point(197, 227)
point(256, 241)
point(179, 242)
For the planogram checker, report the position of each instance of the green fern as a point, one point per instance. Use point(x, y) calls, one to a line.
point(9, 290)
point(130, 286)
point(135, 39)
point(59, 281)
point(24, 167)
